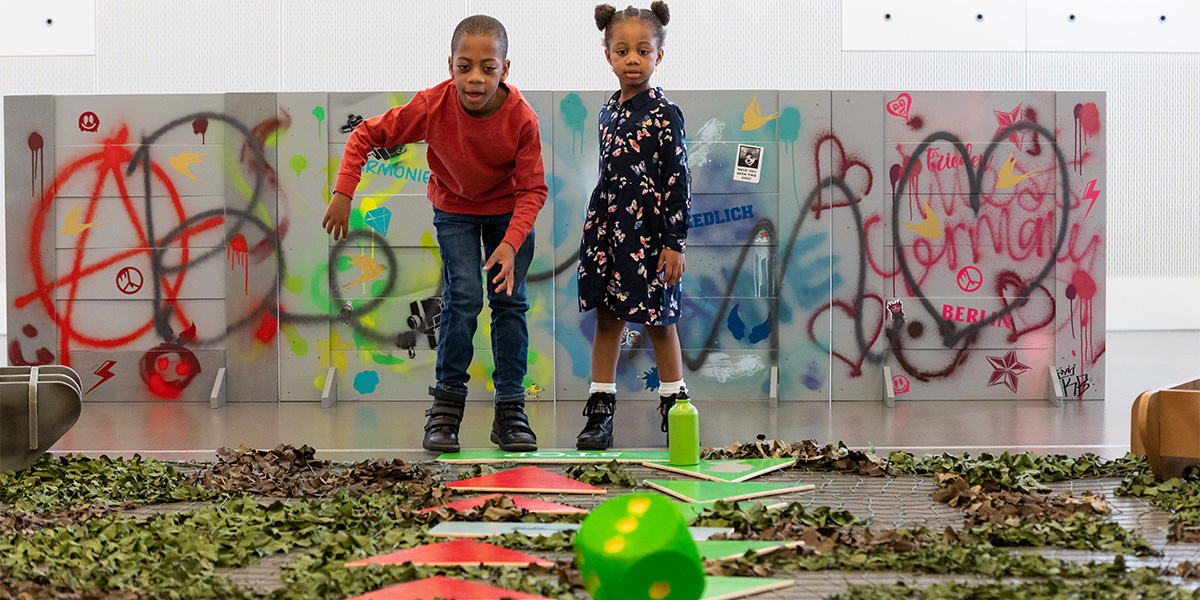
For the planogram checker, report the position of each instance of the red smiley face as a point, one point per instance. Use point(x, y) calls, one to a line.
point(89, 122)
point(168, 369)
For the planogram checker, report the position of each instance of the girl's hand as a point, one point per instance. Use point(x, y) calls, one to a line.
point(671, 266)
point(503, 256)
point(337, 216)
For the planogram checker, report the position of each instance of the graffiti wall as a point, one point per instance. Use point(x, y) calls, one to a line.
point(164, 244)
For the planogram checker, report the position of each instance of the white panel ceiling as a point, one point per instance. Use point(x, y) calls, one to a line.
point(48, 28)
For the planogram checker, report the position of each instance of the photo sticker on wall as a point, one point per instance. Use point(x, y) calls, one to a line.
point(749, 163)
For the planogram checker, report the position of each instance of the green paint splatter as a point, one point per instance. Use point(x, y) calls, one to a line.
point(378, 287)
point(386, 358)
point(427, 244)
point(344, 264)
point(360, 339)
point(319, 113)
point(298, 164)
point(295, 340)
point(317, 287)
point(292, 284)
point(233, 171)
point(356, 219)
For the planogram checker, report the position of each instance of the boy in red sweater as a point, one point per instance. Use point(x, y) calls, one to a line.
point(487, 186)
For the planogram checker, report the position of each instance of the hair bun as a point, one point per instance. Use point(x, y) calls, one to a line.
point(660, 10)
point(604, 15)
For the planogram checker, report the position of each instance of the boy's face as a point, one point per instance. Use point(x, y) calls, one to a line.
point(478, 67)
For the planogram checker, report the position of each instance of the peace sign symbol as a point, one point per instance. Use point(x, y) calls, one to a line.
point(129, 280)
point(970, 279)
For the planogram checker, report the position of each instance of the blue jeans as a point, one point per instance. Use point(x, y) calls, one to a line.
point(459, 237)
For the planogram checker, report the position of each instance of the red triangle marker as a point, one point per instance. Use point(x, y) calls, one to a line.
point(445, 588)
point(455, 553)
point(528, 480)
point(529, 504)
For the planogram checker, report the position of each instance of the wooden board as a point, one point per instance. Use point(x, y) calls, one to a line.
point(727, 470)
point(529, 504)
point(441, 587)
point(726, 549)
point(710, 491)
point(455, 553)
point(525, 479)
point(554, 456)
point(731, 588)
point(471, 529)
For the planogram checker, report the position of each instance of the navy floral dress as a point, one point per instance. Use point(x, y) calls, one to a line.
point(639, 207)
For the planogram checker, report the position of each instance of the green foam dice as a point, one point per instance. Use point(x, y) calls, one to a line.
point(637, 547)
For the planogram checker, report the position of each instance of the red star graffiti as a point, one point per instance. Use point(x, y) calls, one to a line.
point(1006, 370)
point(1008, 119)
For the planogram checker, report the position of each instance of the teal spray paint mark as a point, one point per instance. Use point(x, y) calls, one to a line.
point(574, 114)
point(789, 132)
point(366, 382)
point(319, 113)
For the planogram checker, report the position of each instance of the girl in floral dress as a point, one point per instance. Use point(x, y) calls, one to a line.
point(631, 257)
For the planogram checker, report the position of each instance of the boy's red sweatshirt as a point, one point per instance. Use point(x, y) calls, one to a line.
point(488, 166)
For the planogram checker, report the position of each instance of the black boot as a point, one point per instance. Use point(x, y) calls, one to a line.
point(441, 430)
point(510, 428)
point(666, 403)
point(598, 433)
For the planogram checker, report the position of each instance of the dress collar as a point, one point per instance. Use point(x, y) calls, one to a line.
point(643, 98)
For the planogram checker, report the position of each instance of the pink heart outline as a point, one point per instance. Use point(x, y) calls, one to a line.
point(900, 106)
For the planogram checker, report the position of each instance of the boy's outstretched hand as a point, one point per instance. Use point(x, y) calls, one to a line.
point(671, 265)
point(337, 216)
point(504, 256)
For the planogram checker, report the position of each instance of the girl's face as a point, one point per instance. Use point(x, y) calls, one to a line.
point(633, 53)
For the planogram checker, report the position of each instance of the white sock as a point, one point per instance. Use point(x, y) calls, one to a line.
point(668, 388)
point(609, 388)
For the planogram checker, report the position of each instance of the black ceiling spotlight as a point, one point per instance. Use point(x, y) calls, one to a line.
point(979, 17)
point(49, 22)
point(1162, 19)
point(887, 16)
point(1071, 18)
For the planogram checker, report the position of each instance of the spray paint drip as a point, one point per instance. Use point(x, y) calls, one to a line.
point(238, 253)
point(36, 143)
point(200, 128)
point(319, 113)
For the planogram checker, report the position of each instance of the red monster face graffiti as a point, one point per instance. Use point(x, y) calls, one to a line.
point(168, 369)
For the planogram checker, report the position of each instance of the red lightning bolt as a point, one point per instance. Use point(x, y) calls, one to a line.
point(1092, 193)
point(104, 372)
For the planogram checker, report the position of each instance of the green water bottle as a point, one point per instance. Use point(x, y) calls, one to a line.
point(683, 441)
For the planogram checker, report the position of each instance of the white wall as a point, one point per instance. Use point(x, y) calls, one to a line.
point(151, 46)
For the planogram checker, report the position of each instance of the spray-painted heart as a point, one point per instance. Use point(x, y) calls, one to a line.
point(951, 335)
point(1033, 321)
point(900, 106)
point(852, 310)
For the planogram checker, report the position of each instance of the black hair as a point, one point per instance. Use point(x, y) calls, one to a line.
point(656, 17)
point(480, 25)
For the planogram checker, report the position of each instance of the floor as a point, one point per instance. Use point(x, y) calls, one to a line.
point(354, 431)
